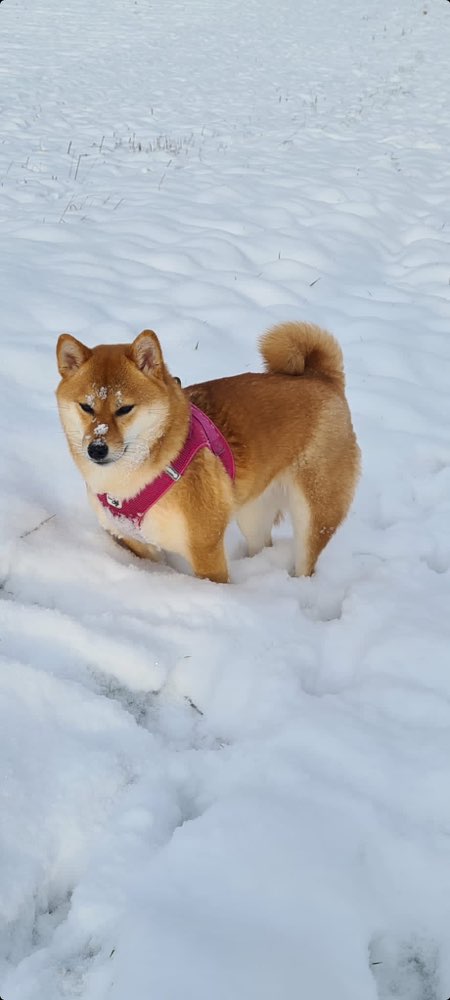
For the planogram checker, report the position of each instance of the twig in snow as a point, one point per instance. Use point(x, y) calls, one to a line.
point(36, 528)
point(193, 705)
point(78, 164)
point(69, 203)
point(164, 174)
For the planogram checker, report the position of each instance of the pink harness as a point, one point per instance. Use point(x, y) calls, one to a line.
point(203, 433)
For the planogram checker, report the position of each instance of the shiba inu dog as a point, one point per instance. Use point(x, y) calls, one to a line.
point(281, 440)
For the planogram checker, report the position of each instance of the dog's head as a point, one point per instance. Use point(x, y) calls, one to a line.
point(114, 401)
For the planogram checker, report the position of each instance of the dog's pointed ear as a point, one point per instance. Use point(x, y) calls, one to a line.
point(71, 354)
point(147, 355)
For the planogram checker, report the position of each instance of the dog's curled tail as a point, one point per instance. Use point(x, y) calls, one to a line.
point(302, 348)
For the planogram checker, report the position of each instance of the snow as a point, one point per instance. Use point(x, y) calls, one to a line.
point(226, 793)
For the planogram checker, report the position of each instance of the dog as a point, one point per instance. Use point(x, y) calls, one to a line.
point(278, 441)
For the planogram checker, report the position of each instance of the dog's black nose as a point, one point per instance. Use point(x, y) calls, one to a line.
point(97, 450)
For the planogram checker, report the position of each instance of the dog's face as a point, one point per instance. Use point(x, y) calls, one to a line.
point(114, 402)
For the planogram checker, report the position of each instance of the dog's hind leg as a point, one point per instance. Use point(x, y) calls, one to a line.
point(315, 513)
point(301, 519)
point(256, 519)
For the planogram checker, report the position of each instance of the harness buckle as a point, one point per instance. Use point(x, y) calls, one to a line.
point(114, 502)
point(172, 473)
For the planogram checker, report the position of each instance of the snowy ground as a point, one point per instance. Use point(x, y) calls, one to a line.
point(226, 793)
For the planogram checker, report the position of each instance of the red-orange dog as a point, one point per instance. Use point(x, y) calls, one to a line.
point(128, 421)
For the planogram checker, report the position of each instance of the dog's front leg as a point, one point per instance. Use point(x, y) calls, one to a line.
point(209, 562)
point(141, 549)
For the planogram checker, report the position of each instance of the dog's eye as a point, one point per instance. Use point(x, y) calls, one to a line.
point(86, 408)
point(123, 410)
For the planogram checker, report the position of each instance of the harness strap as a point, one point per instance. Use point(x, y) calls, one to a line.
point(203, 433)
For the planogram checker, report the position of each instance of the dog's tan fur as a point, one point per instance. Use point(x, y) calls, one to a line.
point(289, 429)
